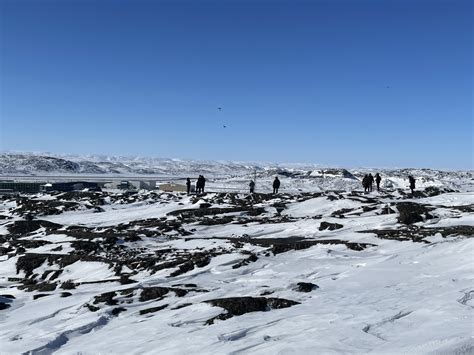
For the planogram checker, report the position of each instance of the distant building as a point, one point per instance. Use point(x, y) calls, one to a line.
point(18, 186)
point(71, 186)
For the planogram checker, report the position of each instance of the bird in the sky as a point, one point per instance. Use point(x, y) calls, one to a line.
point(219, 108)
point(224, 126)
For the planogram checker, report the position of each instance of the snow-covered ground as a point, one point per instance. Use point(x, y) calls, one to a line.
point(113, 272)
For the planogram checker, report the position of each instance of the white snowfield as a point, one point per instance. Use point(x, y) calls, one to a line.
point(383, 296)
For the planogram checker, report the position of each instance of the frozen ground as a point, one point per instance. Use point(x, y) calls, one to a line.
point(321, 272)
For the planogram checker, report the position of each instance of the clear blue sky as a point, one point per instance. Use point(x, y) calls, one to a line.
point(349, 83)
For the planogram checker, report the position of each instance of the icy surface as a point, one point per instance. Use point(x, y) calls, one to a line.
point(383, 287)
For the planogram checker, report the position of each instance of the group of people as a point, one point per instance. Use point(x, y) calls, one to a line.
point(276, 185)
point(368, 182)
point(200, 184)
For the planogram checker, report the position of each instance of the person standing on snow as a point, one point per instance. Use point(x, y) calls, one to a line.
point(188, 185)
point(411, 180)
point(377, 181)
point(365, 183)
point(252, 186)
point(199, 184)
point(203, 183)
point(276, 185)
point(371, 182)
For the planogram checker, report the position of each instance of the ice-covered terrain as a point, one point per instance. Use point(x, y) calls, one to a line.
point(302, 272)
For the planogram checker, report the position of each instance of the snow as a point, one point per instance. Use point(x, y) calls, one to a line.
point(319, 206)
point(392, 297)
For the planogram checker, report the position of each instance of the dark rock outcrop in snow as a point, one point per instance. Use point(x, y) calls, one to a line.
point(305, 287)
point(237, 306)
point(411, 212)
point(329, 226)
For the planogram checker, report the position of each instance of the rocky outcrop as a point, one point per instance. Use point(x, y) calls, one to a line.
point(237, 306)
point(410, 212)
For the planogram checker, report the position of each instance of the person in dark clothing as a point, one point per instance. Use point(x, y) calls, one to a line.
point(377, 181)
point(371, 182)
point(365, 183)
point(411, 180)
point(199, 184)
point(188, 186)
point(252, 186)
point(276, 185)
point(203, 183)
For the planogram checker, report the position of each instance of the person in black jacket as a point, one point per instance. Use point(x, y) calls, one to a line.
point(252, 186)
point(377, 181)
point(203, 183)
point(365, 183)
point(411, 180)
point(188, 185)
point(371, 182)
point(276, 185)
point(199, 185)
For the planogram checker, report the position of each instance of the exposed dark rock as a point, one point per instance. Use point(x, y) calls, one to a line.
point(202, 260)
point(29, 262)
point(398, 234)
point(4, 306)
point(411, 212)
point(41, 286)
point(305, 287)
point(418, 234)
point(182, 305)
point(85, 247)
point(329, 226)
point(51, 274)
point(216, 221)
point(199, 212)
point(340, 213)
point(186, 285)
point(91, 307)
point(153, 309)
point(369, 208)
point(23, 227)
point(281, 245)
point(11, 297)
point(107, 298)
point(68, 285)
point(146, 294)
point(117, 310)
point(251, 259)
point(66, 294)
point(125, 280)
point(236, 306)
point(183, 268)
point(40, 295)
point(153, 293)
point(467, 231)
